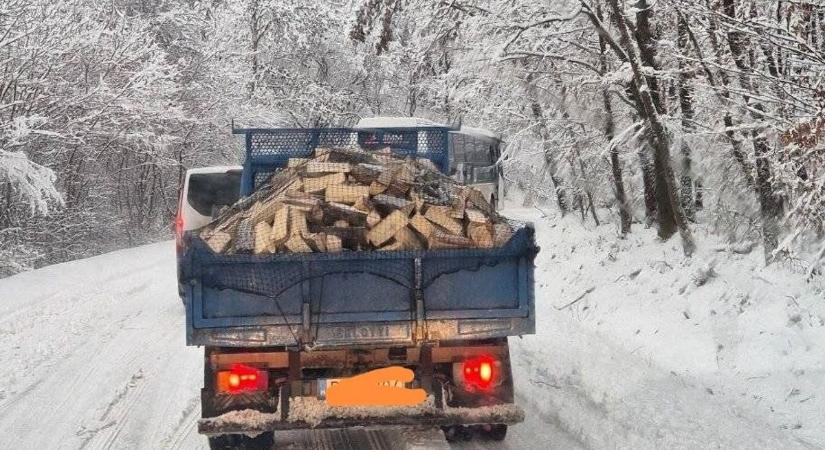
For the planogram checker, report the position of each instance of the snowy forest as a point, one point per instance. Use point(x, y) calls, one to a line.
point(673, 115)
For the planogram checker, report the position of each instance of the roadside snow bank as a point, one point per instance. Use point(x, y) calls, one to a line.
point(639, 347)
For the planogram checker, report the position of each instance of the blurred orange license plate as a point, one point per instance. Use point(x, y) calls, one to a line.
point(379, 387)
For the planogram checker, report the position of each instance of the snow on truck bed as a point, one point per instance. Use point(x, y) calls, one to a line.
point(94, 352)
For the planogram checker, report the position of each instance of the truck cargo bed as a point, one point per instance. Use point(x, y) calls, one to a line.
point(359, 298)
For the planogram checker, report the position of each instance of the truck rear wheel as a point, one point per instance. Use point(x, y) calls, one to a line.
point(263, 441)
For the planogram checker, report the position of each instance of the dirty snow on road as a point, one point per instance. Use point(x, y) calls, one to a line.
point(644, 357)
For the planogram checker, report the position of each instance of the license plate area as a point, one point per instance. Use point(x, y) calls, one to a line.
point(325, 383)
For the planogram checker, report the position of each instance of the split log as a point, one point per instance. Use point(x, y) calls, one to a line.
point(334, 212)
point(266, 212)
point(423, 226)
point(408, 239)
point(262, 232)
point(297, 222)
point(440, 215)
point(353, 238)
point(475, 197)
point(327, 167)
point(386, 204)
point(244, 238)
point(280, 228)
point(385, 230)
point(296, 244)
point(219, 241)
point(316, 241)
point(373, 218)
point(295, 162)
point(363, 204)
point(475, 216)
point(333, 243)
point(481, 234)
point(346, 194)
point(376, 187)
point(318, 184)
point(441, 240)
point(366, 173)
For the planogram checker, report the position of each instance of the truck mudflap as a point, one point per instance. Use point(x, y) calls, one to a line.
point(311, 413)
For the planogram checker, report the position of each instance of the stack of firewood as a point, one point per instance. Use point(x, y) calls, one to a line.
point(353, 200)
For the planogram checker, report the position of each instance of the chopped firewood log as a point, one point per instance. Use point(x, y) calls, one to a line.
point(244, 238)
point(296, 244)
point(262, 232)
point(408, 239)
point(386, 176)
point(334, 212)
point(266, 212)
point(327, 167)
point(366, 173)
point(316, 214)
point(316, 241)
point(440, 215)
point(422, 225)
point(377, 188)
point(353, 238)
point(373, 218)
point(295, 162)
point(481, 234)
point(401, 181)
point(296, 185)
point(458, 206)
point(280, 228)
point(440, 240)
point(346, 194)
point(387, 204)
point(347, 199)
point(219, 241)
point(363, 204)
point(475, 216)
point(503, 233)
point(304, 202)
point(318, 184)
point(333, 243)
point(475, 197)
point(385, 230)
point(297, 222)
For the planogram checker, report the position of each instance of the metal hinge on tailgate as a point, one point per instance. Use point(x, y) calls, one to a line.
point(418, 296)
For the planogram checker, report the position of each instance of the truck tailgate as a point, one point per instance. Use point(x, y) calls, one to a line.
point(359, 297)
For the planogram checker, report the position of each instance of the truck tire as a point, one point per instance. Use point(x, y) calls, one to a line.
point(263, 441)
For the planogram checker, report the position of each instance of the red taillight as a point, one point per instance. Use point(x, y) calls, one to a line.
point(480, 372)
point(179, 232)
point(241, 378)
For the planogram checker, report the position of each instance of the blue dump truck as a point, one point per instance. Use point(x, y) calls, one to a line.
point(279, 329)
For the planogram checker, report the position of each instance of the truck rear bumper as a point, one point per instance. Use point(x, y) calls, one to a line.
point(253, 422)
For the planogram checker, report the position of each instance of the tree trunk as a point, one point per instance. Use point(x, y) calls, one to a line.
point(686, 105)
point(672, 217)
point(769, 204)
point(610, 134)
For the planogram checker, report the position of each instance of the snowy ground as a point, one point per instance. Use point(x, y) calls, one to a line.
point(94, 353)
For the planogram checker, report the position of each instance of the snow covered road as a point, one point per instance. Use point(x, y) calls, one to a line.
point(94, 356)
